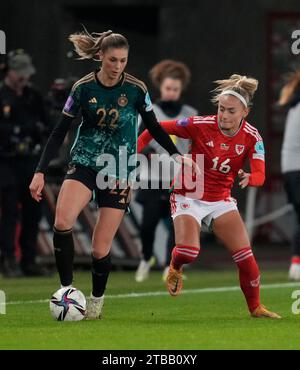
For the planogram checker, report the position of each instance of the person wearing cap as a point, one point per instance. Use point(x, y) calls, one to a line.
point(55, 101)
point(22, 128)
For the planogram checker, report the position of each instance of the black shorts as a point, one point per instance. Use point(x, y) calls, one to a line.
point(112, 198)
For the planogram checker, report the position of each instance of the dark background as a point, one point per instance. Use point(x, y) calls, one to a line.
point(214, 38)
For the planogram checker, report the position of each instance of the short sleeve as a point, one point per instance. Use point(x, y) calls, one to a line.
point(72, 105)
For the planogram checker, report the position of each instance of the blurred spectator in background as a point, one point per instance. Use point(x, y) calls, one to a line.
point(55, 101)
point(290, 160)
point(22, 131)
point(171, 79)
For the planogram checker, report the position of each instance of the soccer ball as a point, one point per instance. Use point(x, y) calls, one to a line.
point(68, 304)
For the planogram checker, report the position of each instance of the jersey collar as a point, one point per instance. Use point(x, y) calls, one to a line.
point(118, 84)
point(241, 125)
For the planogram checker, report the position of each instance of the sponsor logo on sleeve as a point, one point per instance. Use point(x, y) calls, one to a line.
point(148, 103)
point(182, 122)
point(259, 147)
point(69, 104)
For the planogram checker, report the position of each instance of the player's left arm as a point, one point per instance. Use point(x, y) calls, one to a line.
point(144, 107)
point(257, 165)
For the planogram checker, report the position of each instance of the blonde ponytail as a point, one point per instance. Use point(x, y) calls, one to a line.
point(243, 85)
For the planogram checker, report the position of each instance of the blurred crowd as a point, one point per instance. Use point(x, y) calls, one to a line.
point(26, 119)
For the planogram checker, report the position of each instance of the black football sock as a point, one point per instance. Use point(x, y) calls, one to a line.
point(100, 271)
point(64, 254)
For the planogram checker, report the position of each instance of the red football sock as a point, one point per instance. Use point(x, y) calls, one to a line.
point(249, 276)
point(182, 254)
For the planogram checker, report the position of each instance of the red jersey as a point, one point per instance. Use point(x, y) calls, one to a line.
point(224, 155)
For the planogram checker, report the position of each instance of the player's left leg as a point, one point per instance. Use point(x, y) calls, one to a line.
point(106, 227)
point(230, 229)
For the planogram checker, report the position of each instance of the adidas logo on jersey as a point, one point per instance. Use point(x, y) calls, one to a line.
point(210, 143)
point(93, 100)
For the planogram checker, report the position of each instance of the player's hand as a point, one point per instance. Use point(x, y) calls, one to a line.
point(186, 161)
point(36, 186)
point(245, 178)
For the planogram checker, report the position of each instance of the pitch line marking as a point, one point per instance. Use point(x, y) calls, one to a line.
point(161, 293)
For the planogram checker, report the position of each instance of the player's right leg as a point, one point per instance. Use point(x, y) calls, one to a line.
point(109, 220)
point(73, 197)
point(113, 204)
point(187, 239)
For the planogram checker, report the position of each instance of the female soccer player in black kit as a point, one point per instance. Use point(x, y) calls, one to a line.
point(109, 100)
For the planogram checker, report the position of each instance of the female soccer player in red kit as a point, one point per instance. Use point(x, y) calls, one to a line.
point(226, 140)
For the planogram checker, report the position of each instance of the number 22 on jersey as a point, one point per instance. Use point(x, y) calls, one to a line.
point(112, 113)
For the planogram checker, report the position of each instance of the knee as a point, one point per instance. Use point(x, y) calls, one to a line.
point(98, 253)
point(61, 224)
point(63, 221)
point(101, 248)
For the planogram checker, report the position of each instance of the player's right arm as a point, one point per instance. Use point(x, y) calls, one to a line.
point(54, 142)
point(180, 128)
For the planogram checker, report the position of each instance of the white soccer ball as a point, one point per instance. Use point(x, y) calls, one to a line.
point(68, 304)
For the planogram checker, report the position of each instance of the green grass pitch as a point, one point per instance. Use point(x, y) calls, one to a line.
point(202, 318)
